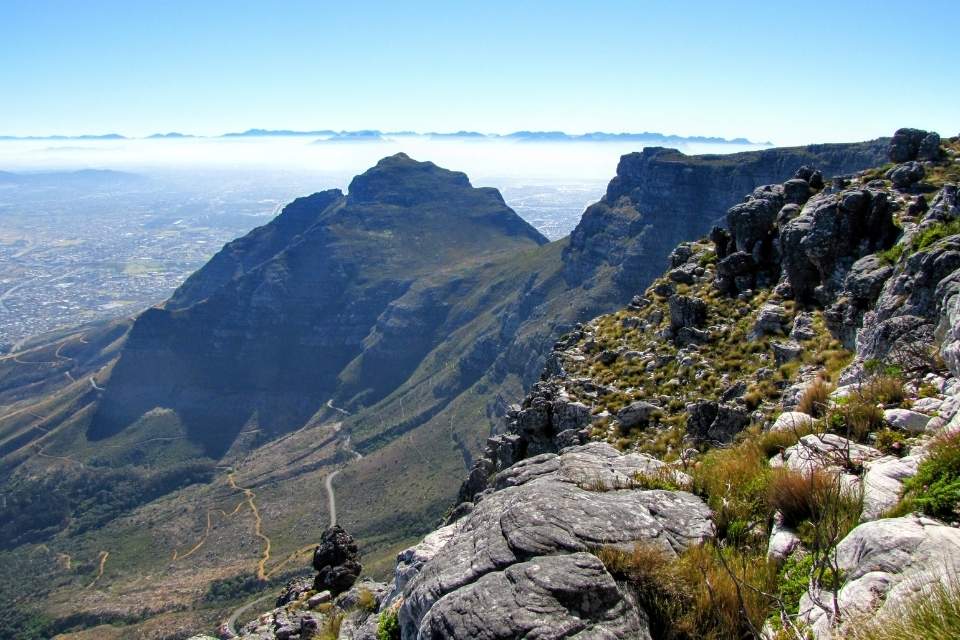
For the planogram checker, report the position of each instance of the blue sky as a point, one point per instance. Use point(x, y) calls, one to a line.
point(784, 71)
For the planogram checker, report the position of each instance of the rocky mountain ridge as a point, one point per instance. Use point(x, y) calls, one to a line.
point(376, 334)
point(769, 418)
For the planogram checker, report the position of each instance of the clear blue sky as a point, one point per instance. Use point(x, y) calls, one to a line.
point(786, 71)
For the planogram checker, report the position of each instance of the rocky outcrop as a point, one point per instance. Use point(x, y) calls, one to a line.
point(521, 556)
point(547, 421)
point(886, 563)
point(914, 144)
point(661, 197)
point(715, 422)
point(829, 234)
point(304, 614)
point(337, 561)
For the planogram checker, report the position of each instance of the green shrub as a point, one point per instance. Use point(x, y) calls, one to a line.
point(813, 402)
point(366, 601)
point(892, 255)
point(700, 595)
point(728, 590)
point(662, 478)
point(890, 441)
point(388, 626)
point(856, 418)
point(886, 388)
point(799, 496)
point(794, 580)
point(933, 233)
point(734, 483)
point(935, 490)
point(774, 442)
point(656, 580)
point(331, 627)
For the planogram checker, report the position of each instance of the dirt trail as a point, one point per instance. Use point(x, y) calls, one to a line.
point(203, 538)
point(343, 411)
point(103, 561)
point(206, 533)
point(59, 356)
point(257, 528)
point(41, 454)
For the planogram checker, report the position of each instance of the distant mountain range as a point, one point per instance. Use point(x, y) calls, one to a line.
point(374, 135)
point(105, 136)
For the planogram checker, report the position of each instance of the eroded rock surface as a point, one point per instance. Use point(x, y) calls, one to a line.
point(524, 550)
point(886, 563)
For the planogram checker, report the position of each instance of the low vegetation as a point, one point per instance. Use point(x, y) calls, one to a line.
point(700, 594)
point(388, 626)
point(935, 490)
point(814, 400)
point(330, 630)
point(85, 498)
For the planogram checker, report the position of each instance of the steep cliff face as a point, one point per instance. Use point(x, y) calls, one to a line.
point(661, 197)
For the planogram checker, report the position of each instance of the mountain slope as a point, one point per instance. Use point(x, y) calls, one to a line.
point(397, 322)
point(768, 477)
point(270, 328)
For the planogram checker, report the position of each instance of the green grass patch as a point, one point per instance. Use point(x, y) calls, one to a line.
point(935, 490)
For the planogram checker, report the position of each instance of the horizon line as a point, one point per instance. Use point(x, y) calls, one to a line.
point(376, 135)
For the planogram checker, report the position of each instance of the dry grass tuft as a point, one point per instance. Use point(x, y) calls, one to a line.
point(798, 496)
point(815, 398)
point(702, 594)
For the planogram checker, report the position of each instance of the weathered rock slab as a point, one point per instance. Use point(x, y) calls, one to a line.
point(522, 550)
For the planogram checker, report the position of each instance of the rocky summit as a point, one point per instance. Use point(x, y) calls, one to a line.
point(763, 443)
point(355, 359)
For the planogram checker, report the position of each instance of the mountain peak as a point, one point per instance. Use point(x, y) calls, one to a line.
point(401, 180)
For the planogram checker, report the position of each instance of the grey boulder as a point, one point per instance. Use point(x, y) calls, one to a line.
point(520, 566)
point(886, 563)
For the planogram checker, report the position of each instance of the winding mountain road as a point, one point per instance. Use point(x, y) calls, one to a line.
point(231, 622)
point(328, 483)
point(330, 406)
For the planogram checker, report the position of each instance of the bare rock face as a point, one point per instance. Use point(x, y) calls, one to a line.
point(830, 233)
point(883, 483)
point(886, 563)
point(686, 312)
point(661, 197)
point(337, 561)
point(547, 421)
point(914, 144)
point(771, 320)
point(752, 221)
point(560, 590)
point(709, 421)
point(906, 175)
point(637, 413)
point(520, 564)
